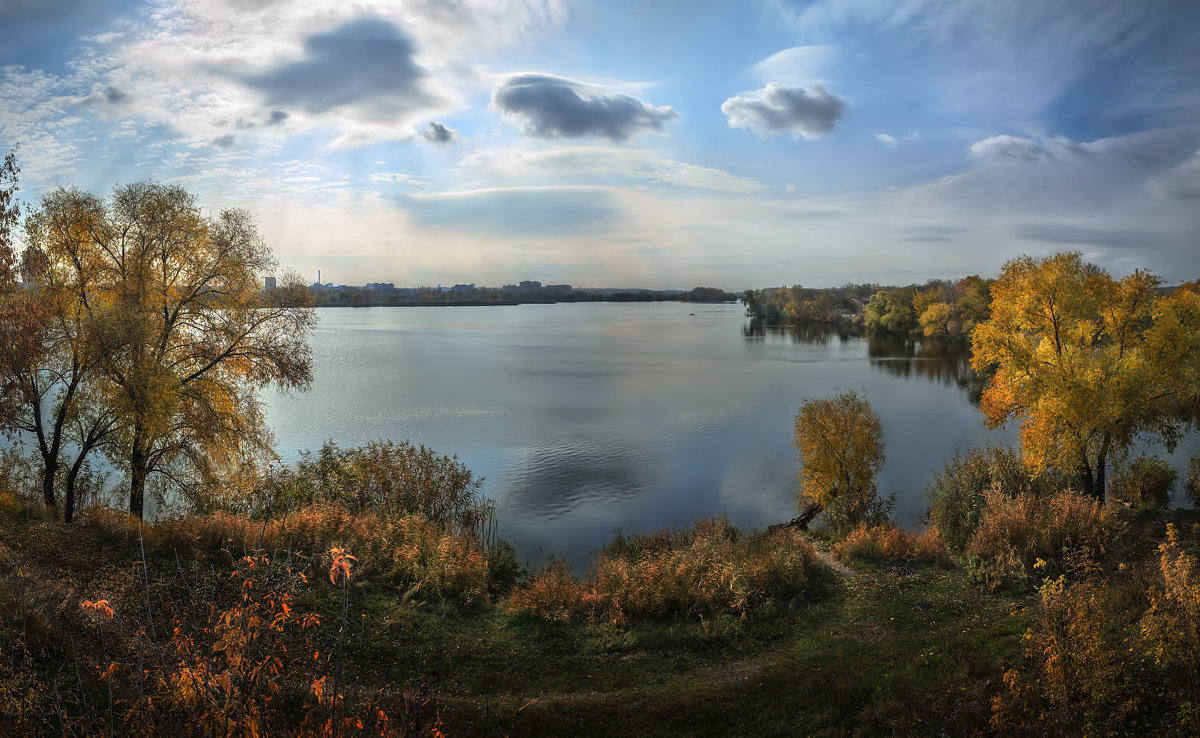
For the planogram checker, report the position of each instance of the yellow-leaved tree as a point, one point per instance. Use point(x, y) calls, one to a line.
point(840, 440)
point(1087, 363)
point(175, 332)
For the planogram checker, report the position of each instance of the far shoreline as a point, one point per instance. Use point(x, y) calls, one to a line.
point(482, 303)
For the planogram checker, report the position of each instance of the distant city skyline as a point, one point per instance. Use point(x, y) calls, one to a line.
point(732, 144)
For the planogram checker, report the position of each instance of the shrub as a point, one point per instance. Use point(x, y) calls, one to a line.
point(956, 494)
point(1017, 535)
point(18, 478)
point(1081, 680)
point(388, 478)
point(114, 524)
point(410, 549)
point(887, 543)
point(709, 569)
point(1112, 656)
point(553, 594)
point(1147, 482)
point(1171, 625)
point(503, 568)
point(433, 559)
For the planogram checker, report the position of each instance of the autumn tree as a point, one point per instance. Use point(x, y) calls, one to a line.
point(891, 311)
point(176, 336)
point(34, 389)
point(840, 441)
point(1087, 363)
point(10, 324)
point(53, 367)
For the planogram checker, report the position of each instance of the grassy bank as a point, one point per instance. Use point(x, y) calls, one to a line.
point(888, 647)
point(351, 601)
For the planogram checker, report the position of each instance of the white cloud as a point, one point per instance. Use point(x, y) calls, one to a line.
point(35, 115)
point(706, 178)
point(799, 65)
point(998, 148)
point(202, 67)
point(887, 140)
point(808, 112)
point(572, 162)
point(1019, 56)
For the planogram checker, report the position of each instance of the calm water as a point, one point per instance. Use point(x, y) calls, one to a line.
point(588, 417)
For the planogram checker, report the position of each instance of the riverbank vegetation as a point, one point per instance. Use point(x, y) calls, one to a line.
point(938, 309)
point(330, 615)
point(364, 591)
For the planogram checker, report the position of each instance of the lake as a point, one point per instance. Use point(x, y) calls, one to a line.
point(588, 417)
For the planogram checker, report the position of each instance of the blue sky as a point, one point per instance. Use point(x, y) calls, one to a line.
point(603, 143)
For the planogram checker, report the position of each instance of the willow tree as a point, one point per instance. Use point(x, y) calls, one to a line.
point(1087, 364)
point(179, 338)
point(840, 441)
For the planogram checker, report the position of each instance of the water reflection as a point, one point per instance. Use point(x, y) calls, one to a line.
point(946, 362)
point(809, 334)
point(554, 478)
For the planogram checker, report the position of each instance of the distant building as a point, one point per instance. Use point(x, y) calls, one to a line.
point(269, 283)
point(529, 284)
point(385, 287)
point(462, 287)
point(559, 287)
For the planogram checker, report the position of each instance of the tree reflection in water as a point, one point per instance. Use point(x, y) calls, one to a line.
point(947, 362)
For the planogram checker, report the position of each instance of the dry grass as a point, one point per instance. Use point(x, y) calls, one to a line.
point(887, 543)
point(709, 569)
point(408, 550)
point(1020, 535)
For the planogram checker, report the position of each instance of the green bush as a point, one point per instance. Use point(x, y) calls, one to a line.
point(1147, 482)
point(503, 569)
point(956, 494)
point(389, 478)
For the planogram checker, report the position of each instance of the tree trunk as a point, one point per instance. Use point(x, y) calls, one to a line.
point(49, 471)
point(1101, 467)
point(802, 521)
point(1089, 480)
point(69, 493)
point(137, 477)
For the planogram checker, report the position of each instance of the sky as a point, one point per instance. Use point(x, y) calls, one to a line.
point(634, 143)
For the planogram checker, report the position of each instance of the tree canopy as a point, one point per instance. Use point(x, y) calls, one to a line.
point(156, 335)
point(840, 441)
point(1087, 363)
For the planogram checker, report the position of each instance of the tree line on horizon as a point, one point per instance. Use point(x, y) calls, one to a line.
point(368, 296)
point(939, 308)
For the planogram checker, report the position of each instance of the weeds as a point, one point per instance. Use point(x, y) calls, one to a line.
point(712, 568)
point(1017, 537)
point(887, 543)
